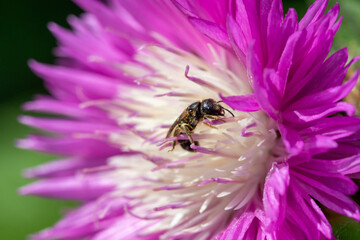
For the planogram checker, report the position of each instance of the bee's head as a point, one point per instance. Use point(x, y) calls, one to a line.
point(211, 107)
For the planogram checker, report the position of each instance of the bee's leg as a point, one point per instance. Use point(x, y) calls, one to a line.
point(176, 133)
point(209, 125)
point(214, 117)
point(186, 129)
point(209, 117)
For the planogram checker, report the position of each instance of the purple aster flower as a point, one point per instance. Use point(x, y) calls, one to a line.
point(129, 68)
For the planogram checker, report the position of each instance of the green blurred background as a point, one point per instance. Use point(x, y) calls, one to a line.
point(24, 36)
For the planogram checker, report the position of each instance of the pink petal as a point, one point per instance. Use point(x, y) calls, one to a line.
point(274, 199)
point(213, 31)
point(69, 146)
point(63, 167)
point(82, 187)
point(238, 227)
point(293, 142)
point(312, 114)
point(67, 126)
point(330, 198)
point(245, 103)
point(314, 12)
point(85, 221)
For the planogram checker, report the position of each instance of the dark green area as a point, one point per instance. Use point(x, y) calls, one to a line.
point(24, 36)
point(299, 5)
point(346, 228)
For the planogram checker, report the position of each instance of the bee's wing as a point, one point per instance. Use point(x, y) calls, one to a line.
point(183, 115)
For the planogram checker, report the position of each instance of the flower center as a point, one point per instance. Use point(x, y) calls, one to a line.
point(180, 191)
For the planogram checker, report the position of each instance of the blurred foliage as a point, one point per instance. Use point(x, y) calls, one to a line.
point(23, 36)
point(346, 229)
point(349, 33)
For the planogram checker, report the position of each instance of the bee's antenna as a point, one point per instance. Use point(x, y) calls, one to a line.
point(225, 108)
point(229, 111)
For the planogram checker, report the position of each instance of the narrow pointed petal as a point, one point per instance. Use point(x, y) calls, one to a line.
point(81, 188)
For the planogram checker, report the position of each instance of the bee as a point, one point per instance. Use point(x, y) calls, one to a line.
point(189, 119)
